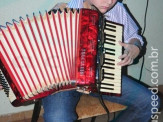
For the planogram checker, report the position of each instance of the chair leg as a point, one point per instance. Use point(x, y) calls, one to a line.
point(78, 121)
point(93, 119)
point(36, 111)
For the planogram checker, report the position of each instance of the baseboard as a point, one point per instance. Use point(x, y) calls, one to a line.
point(21, 116)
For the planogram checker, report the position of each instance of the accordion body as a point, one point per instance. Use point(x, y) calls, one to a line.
point(53, 52)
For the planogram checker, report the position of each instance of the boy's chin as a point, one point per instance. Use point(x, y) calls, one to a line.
point(103, 10)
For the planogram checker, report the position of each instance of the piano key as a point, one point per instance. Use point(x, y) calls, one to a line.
point(117, 91)
point(113, 31)
point(108, 63)
point(111, 57)
point(117, 52)
point(117, 36)
point(111, 54)
point(107, 56)
point(110, 25)
point(110, 76)
point(116, 78)
point(109, 28)
point(106, 81)
point(110, 85)
point(113, 77)
point(116, 27)
point(109, 60)
point(117, 47)
point(108, 35)
point(115, 71)
point(103, 86)
point(111, 66)
point(110, 43)
point(112, 40)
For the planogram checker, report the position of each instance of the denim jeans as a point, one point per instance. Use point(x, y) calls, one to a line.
point(60, 107)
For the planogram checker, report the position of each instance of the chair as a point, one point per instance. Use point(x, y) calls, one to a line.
point(87, 107)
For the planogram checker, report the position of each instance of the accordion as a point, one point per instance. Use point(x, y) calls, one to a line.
point(59, 51)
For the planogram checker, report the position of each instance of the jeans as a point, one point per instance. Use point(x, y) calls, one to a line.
point(60, 107)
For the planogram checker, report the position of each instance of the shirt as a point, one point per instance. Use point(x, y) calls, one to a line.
point(119, 15)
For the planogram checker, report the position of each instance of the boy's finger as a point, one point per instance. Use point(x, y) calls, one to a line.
point(123, 61)
point(123, 44)
point(122, 56)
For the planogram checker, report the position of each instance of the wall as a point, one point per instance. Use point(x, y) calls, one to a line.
point(11, 9)
point(153, 35)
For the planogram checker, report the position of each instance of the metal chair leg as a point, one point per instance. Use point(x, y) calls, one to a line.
point(36, 111)
point(93, 119)
point(78, 121)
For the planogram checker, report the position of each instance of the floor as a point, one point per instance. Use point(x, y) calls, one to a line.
point(102, 118)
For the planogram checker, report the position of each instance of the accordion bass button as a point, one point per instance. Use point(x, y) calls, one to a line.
point(73, 82)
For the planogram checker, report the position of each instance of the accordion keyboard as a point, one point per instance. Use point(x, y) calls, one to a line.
point(110, 72)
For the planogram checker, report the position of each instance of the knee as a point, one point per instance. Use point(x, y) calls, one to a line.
point(60, 107)
point(142, 100)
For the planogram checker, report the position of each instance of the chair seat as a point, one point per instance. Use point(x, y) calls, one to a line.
point(89, 106)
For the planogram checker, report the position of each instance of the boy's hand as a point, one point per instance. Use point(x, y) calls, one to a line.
point(130, 53)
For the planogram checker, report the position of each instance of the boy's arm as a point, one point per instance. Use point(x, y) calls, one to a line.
point(132, 40)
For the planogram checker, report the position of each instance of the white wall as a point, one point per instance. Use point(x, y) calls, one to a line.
point(153, 35)
point(12, 9)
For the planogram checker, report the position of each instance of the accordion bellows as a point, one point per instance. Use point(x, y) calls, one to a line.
point(48, 53)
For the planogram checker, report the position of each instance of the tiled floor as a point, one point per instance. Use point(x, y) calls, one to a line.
point(102, 118)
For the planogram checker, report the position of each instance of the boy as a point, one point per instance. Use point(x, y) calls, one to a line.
point(61, 106)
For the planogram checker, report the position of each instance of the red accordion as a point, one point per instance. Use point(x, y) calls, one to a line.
point(49, 53)
point(60, 51)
